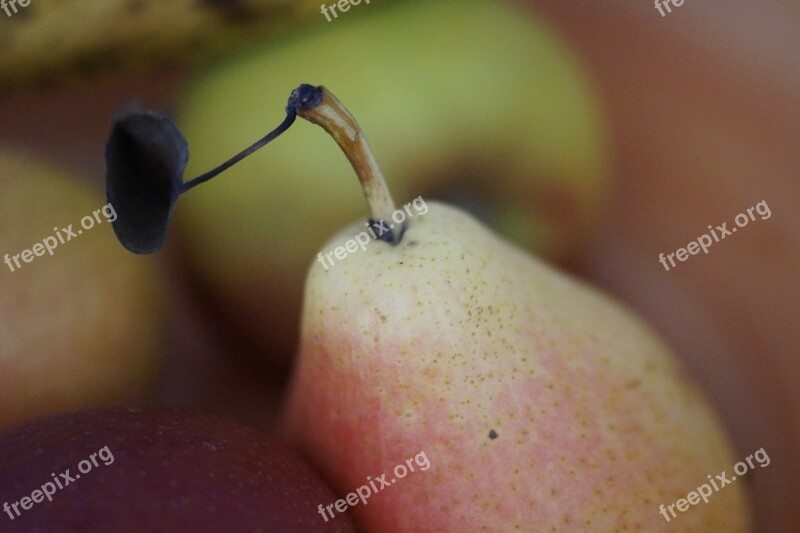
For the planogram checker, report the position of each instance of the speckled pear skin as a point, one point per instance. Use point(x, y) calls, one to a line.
point(432, 344)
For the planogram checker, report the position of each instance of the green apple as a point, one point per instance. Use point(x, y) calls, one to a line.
point(524, 114)
point(79, 316)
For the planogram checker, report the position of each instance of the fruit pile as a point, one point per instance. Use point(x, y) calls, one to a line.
point(252, 346)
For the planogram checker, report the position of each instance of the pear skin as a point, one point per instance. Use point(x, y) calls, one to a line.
point(540, 404)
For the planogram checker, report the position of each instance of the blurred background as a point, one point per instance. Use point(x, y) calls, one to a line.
point(595, 134)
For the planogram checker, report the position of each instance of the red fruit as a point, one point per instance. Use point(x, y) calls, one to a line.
point(146, 470)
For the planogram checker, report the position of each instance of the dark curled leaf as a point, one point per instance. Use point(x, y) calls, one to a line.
point(146, 156)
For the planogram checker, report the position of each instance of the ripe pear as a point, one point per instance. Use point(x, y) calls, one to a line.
point(541, 404)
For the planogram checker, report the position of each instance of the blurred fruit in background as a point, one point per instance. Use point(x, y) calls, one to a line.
point(48, 39)
point(157, 470)
point(703, 105)
point(490, 110)
point(78, 328)
point(706, 108)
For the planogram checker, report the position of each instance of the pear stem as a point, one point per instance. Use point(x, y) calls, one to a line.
point(326, 111)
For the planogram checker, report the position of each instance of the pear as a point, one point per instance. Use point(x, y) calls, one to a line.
point(540, 403)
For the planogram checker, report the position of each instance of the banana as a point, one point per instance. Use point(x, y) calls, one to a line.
point(43, 40)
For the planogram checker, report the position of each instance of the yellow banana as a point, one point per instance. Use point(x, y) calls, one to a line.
point(41, 40)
